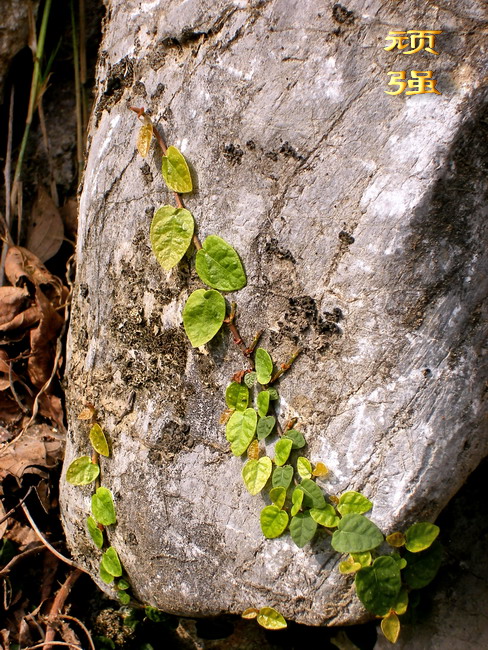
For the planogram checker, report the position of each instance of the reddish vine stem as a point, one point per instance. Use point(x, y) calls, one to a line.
point(58, 605)
point(230, 322)
point(285, 366)
point(141, 114)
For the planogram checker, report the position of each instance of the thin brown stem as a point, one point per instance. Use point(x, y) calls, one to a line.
point(30, 551)
point(285, 366)
point(58, 643)
point(230, 322)
point(83, 627)
point(255, 341)
point(58, 605)
point(290, 424)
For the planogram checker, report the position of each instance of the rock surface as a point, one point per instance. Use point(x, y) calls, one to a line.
point(361, 220)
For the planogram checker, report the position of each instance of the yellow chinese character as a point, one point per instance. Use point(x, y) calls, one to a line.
point(397, 79)
point(421, 83)
point(416, 38)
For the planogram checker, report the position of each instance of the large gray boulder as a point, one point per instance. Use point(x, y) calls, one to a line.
point(361, 220)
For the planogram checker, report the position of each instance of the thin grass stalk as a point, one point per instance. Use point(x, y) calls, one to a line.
point(79, 116)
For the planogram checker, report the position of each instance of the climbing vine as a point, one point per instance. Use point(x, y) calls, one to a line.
point(385, 570)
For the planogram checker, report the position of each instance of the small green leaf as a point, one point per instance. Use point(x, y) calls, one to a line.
point(124, 597)
point(95, 532)
point(278, 495)
point(219, 266)
point(422, 567)
point(265, 426)
point(240, 430)
point(326, 516)
point(170, 234)
point(250, 379)
point(156, 615)
point(349, 566)
point(256, 474)
point(82, 471)
point(111, 563)
point(390, 626)
point(282, 451)
point(273, 393)
point(313, 497)
point(396, 539)
point(296, 437)
point(264, 366)
point(175, 171)
point(378, 585)
point(282, 476)
point(420, 536)
point(98, 440)
point(297, 500)
point(273, 521)
point(263, 403)
point(122, 584)
point(103, 507)
point(237, 396)
point(304, 467)
point(203, 315)
point(270, 619)
point(401, 603)
point(105, 575)
point(356, 534)
point(302, 528)
point(364, 559)
point(353, 502)
point(402, 562)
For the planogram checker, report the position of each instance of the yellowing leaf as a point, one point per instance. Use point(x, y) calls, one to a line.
point(82, 471)
point(171, 233)
point(390, 626)
point(270, 619)
point(256, 474)
point(250, 612)
point(144, 137)
point(253, 450)
point(175, 171)
point(320, 470)
point(396, 539)
point(98, 440)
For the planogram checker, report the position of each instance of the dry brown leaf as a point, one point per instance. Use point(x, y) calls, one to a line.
point(13, 300)
point(46, 231)
point(69, 214)
point(43, 342)
point(36, 448)
point(21, 535)
point(50, 406)
point(22, 266)
point(10, 411)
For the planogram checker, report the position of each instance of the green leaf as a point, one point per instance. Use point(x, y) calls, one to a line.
point(356, 534)
point(270, 619)
point(203, 315)
point(364, 559)
point(124, 597)
point(302, 528)
point(175, 171)
point(353, 502)
point(82, 471)
point(103, 507)
point(219, 266)
point(237, 396)
point(297, 500)
point(273, 521)
point(282, 450)
point(111, 563)
point(296, 437)
point(401, 602)
point(325, 516)
point(278, 496)
point(98, 440)
point(170, 234)
point(282, 476)
point(420, 536)
point(264, 366)
point(156, 615)
point(402, 563)
point(122, 584)
point(422, 567)
point(105, 575)
point(263, 403)
point(256, 474)
point(304, 467)
point(390, 626)
point(273, 393)
point(95, 532)
point(240, 430)
point(250, 379)
point(378, 585)
point(314, 497)
point(265, 426)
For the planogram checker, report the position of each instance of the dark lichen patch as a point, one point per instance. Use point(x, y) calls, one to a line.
point(303, 324)
point(147, 175)
point(160, 88)
point(139, 89)
point(289, 152)
point(233, 153)
point(120, 76)
point(170, 439)
point(342, 15)
point(346, 238)
point(273, 248)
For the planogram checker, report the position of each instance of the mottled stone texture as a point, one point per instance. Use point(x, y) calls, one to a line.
point(361, 221)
